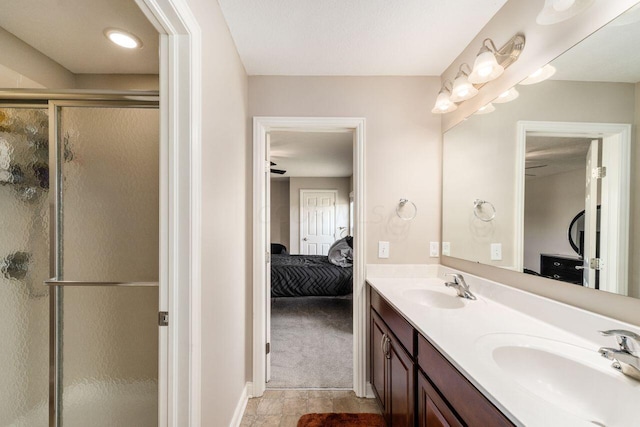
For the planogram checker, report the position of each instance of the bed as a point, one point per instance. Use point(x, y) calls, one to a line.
point(308, 275)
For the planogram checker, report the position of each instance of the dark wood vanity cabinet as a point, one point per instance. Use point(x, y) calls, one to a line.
point(414, 383)
point(392, 372)
point(433, 411)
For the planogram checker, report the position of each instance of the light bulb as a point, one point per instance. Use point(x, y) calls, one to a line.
point(485, 68)
point(462, 89)
point(507, 96)
point(540, 75)
point(489, 108)
point(443, 103)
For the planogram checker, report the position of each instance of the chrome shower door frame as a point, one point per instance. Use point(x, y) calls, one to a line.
point(57, 282)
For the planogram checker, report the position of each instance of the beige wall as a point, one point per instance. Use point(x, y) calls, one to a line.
point(550, 203)
point(117, 81)
point(33, 66)
point(280, 207)
point(226, 236)
point(544, 43)
point(342, 204)
point(403, 149)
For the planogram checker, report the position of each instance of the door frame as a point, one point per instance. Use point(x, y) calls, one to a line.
point(261, 126)
point(616, 192)
point(301, 202)
point(179, 377)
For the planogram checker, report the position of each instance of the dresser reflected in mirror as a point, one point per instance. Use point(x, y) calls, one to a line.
point(557, 167)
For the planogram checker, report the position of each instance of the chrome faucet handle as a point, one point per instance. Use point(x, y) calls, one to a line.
point(623, 337)
point(457, 278)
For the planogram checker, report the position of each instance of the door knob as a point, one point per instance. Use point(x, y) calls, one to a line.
point(304, 238)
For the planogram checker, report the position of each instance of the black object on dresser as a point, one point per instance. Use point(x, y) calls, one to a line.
point(566, 268)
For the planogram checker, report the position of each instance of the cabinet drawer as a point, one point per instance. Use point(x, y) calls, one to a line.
point(471, 405)
point(396, 323)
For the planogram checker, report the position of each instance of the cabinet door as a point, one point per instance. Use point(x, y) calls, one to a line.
point(401, 385)
point(378, 360)
point(432, 409)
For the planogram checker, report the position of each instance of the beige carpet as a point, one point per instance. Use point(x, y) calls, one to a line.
point(311, 342)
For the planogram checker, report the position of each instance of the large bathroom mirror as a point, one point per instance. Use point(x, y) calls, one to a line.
point(545, 179)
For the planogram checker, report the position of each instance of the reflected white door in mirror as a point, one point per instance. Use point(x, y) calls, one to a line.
point(565, 168)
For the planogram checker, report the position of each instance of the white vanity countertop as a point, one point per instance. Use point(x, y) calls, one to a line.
point(467, 336)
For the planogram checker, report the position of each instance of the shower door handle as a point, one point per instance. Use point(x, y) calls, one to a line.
point(55, 282)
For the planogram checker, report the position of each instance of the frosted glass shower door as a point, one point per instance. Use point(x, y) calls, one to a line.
point(106, 342)
point(24, 264)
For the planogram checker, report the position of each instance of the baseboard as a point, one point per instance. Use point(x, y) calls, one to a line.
point(242, 405)
point(369, 391)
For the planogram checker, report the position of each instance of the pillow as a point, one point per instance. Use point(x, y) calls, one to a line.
point(341, 252)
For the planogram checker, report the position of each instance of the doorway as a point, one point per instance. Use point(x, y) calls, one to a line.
point(262, 241)
point(311, 311)
point(602, 151)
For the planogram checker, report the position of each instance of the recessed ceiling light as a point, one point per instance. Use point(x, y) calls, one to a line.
point(123, 38)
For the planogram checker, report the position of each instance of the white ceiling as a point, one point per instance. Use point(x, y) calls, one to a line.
point(608, 55)
point(71, 33)
point(312, 154)
point(553, 155)
point(354, 37)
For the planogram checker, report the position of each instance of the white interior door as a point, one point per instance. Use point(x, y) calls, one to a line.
point(267, 210)
point(590, 215)
point(317, 221)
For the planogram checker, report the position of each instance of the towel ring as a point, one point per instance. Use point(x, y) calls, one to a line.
point(401, 204)
point(477, 210)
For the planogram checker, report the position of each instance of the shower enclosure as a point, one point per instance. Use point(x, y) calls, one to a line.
point(79, 261)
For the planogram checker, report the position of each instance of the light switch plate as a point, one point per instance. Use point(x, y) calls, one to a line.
point(446, 248)
point(383, 249)
point(496, 252)
point(434, 249)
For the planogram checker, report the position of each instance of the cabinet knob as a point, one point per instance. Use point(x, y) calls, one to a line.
point(557, 264)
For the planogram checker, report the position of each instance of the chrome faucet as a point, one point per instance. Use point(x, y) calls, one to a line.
point(625, 359)
point(460, 286)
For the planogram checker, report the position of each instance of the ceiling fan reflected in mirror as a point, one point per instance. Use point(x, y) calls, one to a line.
point(277, 171)
point(533, 167)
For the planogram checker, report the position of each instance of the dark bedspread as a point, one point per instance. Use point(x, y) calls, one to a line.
point(308, 275)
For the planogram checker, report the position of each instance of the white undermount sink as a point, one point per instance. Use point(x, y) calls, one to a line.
point(434, 298)
point(573, 379)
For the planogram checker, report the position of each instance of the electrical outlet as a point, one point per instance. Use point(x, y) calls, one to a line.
point(383, 249)
point(496, 252)
point(434, 249)
point(446, 248)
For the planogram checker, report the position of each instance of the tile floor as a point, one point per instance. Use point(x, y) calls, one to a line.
point(283, 408)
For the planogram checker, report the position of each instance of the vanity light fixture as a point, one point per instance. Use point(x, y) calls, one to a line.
point(507, 96)
point(555, 11)
point(540, 75)
point(486, 67)
point(123, 38)
point(462, 87)
point(489, 108)
point(490, 62)
point(444, 104)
